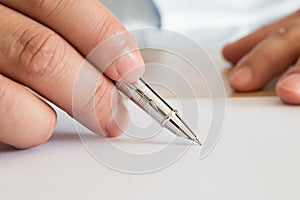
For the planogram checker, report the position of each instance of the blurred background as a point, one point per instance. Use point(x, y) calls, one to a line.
point(211, 23)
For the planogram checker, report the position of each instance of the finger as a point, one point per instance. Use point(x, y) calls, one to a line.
point(97, 104)
point(270, 58)
point(25, 120)
point(288, 86)
point(86, 24)
point(233, 52)
point(40, 59)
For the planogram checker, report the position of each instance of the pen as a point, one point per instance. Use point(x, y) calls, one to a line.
point(149, 101)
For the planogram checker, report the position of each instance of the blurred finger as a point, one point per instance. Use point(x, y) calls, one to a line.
point(271, 57)
point(233, 52)
point(25, 120)
point(288, 86)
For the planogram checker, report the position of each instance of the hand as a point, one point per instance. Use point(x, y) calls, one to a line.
point(266, 53)
point(43, 44)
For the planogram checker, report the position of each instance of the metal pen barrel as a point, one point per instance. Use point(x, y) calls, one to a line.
point(152, 103)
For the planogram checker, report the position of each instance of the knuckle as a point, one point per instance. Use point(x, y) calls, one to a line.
point(280, 33)
point(39, 54)
point(289, 35)
point(49, 7)
point(283, 33)
point(104, 27)
point(107, 24)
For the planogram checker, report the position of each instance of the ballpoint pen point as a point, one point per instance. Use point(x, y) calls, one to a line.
point(197, 141)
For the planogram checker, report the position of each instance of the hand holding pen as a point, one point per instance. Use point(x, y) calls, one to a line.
point(42, 46)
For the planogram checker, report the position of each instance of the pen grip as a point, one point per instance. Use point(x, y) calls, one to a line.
point(153, 104)
point(147, 99)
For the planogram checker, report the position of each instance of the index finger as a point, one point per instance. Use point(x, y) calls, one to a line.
point(85, 24)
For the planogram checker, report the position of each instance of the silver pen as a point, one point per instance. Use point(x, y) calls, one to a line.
point(148, 100)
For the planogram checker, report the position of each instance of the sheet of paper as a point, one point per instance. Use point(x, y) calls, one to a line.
point(257, 157)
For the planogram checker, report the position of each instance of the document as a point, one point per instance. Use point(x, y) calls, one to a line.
point(257, 156)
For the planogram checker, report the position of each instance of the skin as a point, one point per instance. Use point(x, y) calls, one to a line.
point(266, 53)
point(42, 46)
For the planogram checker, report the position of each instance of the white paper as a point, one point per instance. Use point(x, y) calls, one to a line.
point(257, 157)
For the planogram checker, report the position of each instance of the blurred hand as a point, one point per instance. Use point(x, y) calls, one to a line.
point(43, 44)
point(266, 53)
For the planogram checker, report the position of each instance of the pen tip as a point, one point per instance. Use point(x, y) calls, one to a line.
point(197, 141)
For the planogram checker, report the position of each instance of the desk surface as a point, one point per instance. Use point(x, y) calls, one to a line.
point(257, 157)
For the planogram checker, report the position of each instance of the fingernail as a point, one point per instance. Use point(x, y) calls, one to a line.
point(242, 77)
point(291, 83)
point(130, 67)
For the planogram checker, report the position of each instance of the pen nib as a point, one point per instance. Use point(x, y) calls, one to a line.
point(197, 141)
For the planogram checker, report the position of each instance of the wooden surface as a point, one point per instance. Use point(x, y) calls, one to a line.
point(268, 91)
